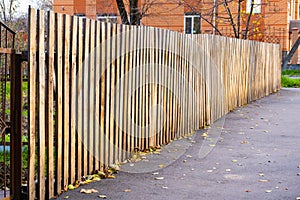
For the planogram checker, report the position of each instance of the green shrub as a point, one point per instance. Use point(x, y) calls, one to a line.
point(289, 82)
point(291, 72)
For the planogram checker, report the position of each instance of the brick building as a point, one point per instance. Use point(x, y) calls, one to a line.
point(270, 21)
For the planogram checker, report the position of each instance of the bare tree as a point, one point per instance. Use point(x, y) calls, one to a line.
point(43, 4)
point(8, 9)
point(231, 13)
point(137, 10)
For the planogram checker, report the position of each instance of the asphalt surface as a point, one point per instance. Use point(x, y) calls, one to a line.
point(251, 153)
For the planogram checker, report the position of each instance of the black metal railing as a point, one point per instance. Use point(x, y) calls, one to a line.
point(7, 42)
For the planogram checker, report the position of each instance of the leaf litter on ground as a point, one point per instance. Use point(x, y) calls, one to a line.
point(88, 191)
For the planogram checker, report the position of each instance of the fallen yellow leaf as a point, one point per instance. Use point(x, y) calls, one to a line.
point(88, 191)
point(204, 135)
point(162, 165)
point(71, 187)
point(110, 176)
point(262, 180)
point(102, 196)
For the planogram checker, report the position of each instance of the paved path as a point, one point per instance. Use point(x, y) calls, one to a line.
point(257, 156)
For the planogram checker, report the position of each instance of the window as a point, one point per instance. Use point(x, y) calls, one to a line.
point(192, 24)
point(256, 6)
point(80, 15)
point(112, 18)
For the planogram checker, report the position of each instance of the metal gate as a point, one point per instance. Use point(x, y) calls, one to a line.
point(10, 116)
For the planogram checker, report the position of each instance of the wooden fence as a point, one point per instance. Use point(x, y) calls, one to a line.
point(97, 91)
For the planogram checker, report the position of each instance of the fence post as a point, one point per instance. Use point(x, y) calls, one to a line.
point(16, 94)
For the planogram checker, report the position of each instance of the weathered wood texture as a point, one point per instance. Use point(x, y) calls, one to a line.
point(100, 91)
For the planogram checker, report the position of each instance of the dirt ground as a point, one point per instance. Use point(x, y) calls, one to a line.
point(251, 153)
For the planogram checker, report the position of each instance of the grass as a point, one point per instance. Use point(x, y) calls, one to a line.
point(286, 81)
point(291, 72)
point(24, 158)
point(7, 138)
point(289, 82)
point(25, 90)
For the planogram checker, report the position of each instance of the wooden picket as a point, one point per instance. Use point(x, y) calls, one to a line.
point(99, 91)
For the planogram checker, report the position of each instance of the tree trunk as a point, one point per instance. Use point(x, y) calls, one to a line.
point(134, 13)
point(123, 12)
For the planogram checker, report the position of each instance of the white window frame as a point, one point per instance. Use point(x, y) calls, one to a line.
point(107, 18)
point(256, 6)
point(80, 15)
point(192, 25)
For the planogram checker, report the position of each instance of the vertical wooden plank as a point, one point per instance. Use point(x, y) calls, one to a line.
point(108, 94)
point(116, 93)
point(123, 97)
point(50, 103)
point(136, 60)
point(208, 89)
point(119, 93)
point(59, 102)
point(127, 98)
point(79, 111)
point(163, 96)
point(114, 105)
point(112, 63)
point(141, 95)
point(91, 93)
point(144, 101)
point(148, 87)
point(170, 83)
point(32, 99)
point(179, 102)
point(123, 103)
point(146, 90)
point(134, 108)
point(182, 87)
point(196, 62)
point(97, 97)
point(103, 99)
point(167, 82)
point(85, 92)
point(73, 96)
point(158, 74)
point(175, 85)
point(153, 87)
point(66, 98)
point(41, 105)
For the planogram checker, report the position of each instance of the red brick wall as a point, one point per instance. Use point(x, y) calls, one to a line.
point(167, 15)
point(163, 13)
point(170, 14)
point(79, 6)
point(62, 6)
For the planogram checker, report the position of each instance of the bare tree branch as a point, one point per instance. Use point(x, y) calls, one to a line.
point(248, 20)
point(8, 8)
point(122, 11)
point(231, 18)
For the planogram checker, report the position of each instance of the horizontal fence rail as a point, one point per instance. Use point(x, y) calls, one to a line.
point(98, 91)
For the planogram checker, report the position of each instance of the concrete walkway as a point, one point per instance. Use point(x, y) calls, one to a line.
point(256, 156)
